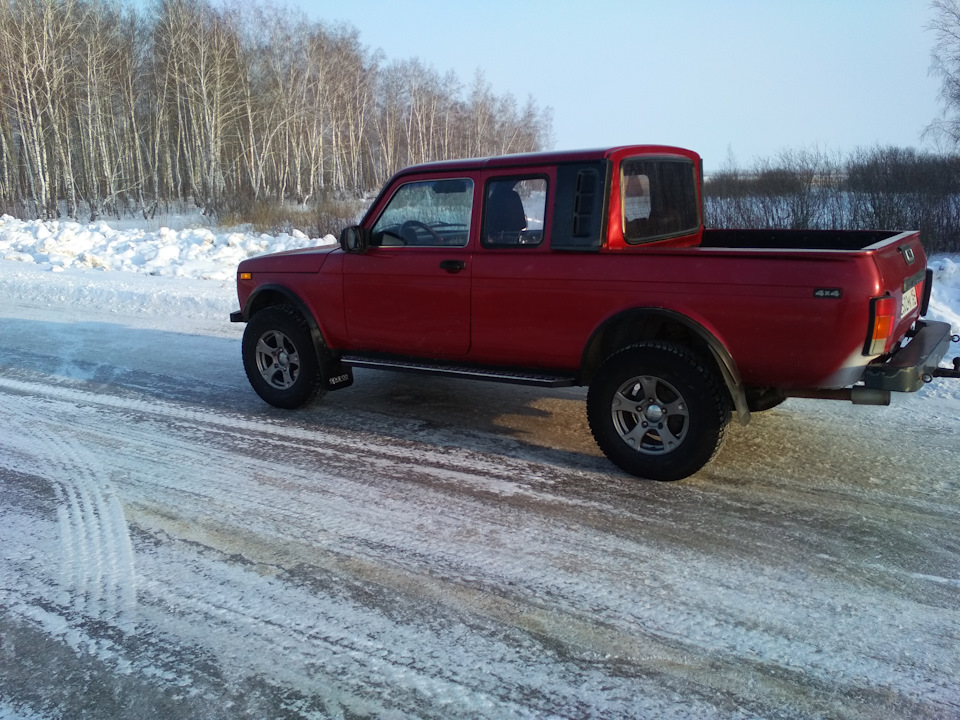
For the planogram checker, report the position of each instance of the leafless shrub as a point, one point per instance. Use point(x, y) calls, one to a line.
point(880, 188)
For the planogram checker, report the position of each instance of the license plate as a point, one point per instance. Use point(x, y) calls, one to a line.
point(909, 303)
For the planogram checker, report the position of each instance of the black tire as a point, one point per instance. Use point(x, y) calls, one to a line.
point(280, 358)
point(657, 411)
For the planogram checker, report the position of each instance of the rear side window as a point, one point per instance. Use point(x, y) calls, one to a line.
point(658, 197)
point(578, 211)
point(513, 212)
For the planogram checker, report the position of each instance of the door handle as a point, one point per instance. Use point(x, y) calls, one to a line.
point(452, 266)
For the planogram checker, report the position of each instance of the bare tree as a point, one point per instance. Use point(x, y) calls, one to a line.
point(35, 38)
point(222, 105)
point(886, 188)
point(945, 64)
point(103, 101)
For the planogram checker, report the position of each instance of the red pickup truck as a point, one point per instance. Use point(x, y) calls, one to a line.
point(593, 268)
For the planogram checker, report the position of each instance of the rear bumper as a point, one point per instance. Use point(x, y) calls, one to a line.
point(905, 370)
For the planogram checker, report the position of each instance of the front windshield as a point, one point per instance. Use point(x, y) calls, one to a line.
point(432, 212)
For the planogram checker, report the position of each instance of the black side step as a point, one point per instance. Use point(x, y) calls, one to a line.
point(466, 372)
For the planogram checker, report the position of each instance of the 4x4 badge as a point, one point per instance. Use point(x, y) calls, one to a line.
point(827, 293)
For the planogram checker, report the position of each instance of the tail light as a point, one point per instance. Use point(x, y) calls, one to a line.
point(883, 322)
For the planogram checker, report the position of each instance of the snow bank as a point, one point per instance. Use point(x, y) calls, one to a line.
point(198, 253)
point(945, 302)
point(205, 254)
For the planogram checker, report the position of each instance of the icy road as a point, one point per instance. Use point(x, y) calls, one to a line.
point(170, 547)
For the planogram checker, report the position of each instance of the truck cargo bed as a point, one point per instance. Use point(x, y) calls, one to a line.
point(794, 239)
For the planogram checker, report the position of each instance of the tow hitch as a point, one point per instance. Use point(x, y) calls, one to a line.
point(916, 363)
point(946, 372)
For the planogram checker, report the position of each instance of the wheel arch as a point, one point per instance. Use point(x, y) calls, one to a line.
point(640, 324)
point(270, 295)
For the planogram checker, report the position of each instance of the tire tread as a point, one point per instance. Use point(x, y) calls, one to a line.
point(667, 467)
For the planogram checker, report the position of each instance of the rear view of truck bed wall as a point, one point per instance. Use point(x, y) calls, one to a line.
point(794, 239)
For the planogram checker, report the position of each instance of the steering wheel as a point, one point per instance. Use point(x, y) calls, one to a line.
point(412, 226)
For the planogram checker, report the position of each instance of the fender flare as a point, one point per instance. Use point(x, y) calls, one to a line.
point(251, 306)
point(725, 363)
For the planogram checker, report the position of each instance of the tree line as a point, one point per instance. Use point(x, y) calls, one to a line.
point(883, 188)
point(887, 188)
point(105, 109)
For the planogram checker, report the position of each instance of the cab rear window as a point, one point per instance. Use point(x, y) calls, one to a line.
point(658, 198)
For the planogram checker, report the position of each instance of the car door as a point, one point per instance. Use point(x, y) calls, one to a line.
point(512, 284)
point(409, 294)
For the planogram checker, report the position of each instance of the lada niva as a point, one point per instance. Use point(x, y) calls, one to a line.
point(594, 268)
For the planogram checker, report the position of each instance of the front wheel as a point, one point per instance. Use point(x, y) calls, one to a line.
point(657, 411)
point(280, 359)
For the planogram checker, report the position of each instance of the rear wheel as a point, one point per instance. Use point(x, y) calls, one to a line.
point(657, 411)
point(280, 359)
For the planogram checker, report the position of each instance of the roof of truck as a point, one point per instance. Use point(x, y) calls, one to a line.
point(547, 158)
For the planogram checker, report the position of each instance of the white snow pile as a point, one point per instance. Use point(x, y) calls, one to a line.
point(205, 254)
point(195, 253)
point(945, 301)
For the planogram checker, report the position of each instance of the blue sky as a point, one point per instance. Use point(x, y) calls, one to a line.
point(746, 78)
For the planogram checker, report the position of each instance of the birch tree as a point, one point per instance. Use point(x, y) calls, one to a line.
point(945, 65)
point(34, 44)
point(112, 110)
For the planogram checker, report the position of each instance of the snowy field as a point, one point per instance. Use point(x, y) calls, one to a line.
point(171, 547)
point(204, 254)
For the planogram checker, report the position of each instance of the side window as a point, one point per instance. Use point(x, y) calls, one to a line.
point(513, 212)
point(658, 198)
point(427, 213)
point(578, 217)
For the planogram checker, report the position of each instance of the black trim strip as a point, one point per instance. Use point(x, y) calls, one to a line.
point(468, 372)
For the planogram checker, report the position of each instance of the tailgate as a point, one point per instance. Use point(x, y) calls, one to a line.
point(903, 277)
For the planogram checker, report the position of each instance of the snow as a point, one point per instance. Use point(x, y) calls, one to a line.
point(201, 253)
point(577, 614)
point(945, 302)
point(193, 252)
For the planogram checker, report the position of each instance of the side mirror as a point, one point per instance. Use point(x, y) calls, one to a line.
point(354, 239)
